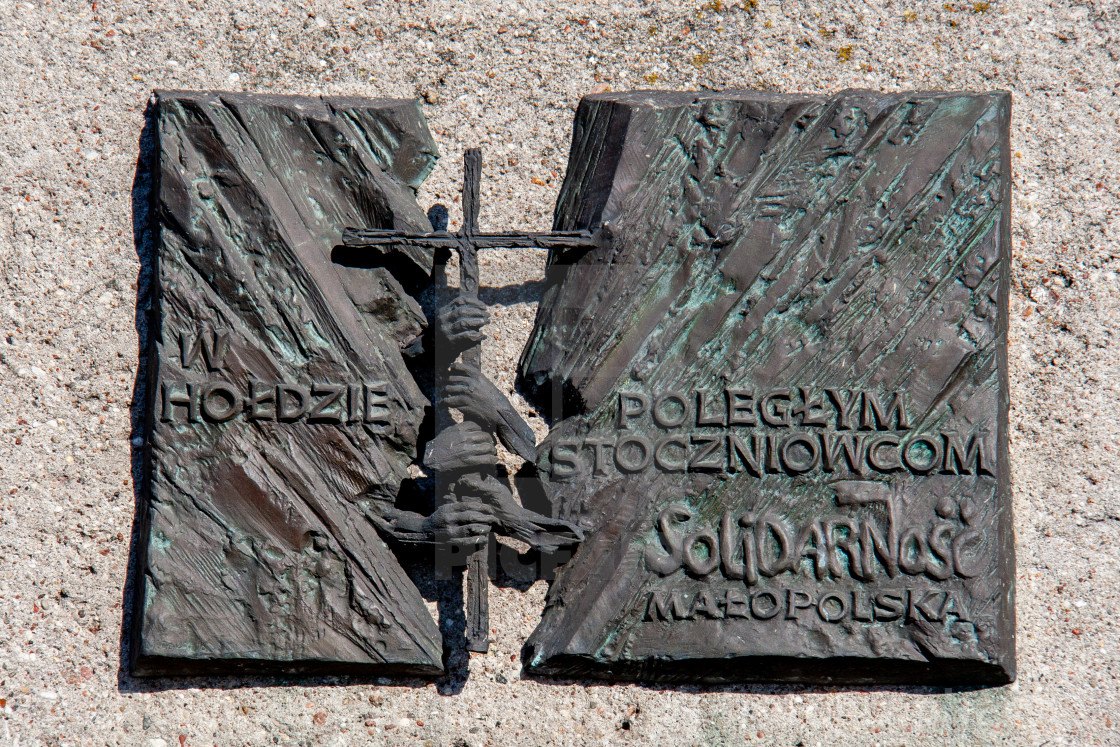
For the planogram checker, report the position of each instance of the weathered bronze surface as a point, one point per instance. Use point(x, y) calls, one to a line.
point(284, 414)
point(293, 372)
point(779, 390)
point(772, 348)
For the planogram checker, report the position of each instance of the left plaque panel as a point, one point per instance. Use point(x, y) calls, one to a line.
point(282, 413)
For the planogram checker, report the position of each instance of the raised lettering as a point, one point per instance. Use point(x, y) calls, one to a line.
point(876, 459)
point(213, 351)
point(665, 606)
point(750, 554)
point(912, 551)
point(728, 533)
point(844, 408)
point(660, 458)
point(848, 542)
point(170, 399)
point(874, 545)
point(796, 601)
point(861, 607)
point(212, 398)
point(839, 607)
point(255, 400)
point(850, 447)
point(965, 567)
point(624, 462)
point(962, 461)
point(812, 454)
point(320, 411)
point(354, 403)
point(888, 606)
point(670, 419)
point(922, 464)
point(704, 604)
point(703, 417)
point(769, 608)
point(701, 460)
point(940, 545)
point(752, 461)
point(670, 540)
point(377, 403)
point(765, 527)
point(735, 603)
point(920, 600)
point(774, 408)
point(631, 405)
point(817, 551)
point(740, 407)
point(285, 409)
point(809, 402)
point(569, 464)
point(598, 446)
point(872, 416)
point(696, 564)
point(773, 463)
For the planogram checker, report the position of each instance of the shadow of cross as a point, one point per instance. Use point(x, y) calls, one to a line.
point(467, 242)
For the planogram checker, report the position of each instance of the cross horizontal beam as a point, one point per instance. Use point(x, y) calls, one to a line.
point(376, 237)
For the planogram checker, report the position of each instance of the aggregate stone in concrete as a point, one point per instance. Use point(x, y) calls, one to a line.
point(505, 76)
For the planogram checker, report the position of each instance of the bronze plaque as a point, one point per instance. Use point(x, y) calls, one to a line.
point(779, 390)
point(283, 413)
point(771, 349)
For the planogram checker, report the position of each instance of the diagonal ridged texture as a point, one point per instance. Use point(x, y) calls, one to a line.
point(256, 550)
point(858, 241)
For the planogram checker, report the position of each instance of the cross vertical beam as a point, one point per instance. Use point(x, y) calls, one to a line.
point(468, 250)
point(477, 578)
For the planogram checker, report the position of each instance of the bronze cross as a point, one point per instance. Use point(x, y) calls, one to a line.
point(467, 241)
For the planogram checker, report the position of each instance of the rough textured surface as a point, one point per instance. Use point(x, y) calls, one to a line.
point(280, 405)
point(769, 380)
point(77, 81)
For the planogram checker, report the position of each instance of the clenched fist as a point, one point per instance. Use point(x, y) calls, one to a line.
point(461, 323)
point(461, 446)
point(480, 401)
point(466, 524)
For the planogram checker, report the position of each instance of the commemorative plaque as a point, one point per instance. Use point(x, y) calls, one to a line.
point(295, 379)
point(282, 406)
point(771, 348)
point(779, 391)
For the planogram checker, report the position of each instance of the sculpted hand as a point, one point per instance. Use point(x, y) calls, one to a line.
point(461, 323)
point(479, 400)
point(461, 446)
point(513, 520)
point(489, 491)
point(463, 523)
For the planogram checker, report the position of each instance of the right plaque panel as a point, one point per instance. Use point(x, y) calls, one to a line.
point(778, 390)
